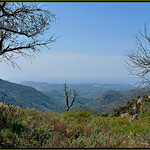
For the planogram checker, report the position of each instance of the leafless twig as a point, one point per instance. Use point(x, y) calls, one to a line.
point(22, 26)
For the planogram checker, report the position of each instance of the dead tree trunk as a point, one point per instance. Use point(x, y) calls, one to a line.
point(68, 94)
point(133, 117)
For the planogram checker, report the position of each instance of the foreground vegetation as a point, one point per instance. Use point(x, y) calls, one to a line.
point(29, 128)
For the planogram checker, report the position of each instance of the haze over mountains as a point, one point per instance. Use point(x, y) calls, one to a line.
point(101, 87)
point(96, 96)
point(102, 80)
point(43, 96)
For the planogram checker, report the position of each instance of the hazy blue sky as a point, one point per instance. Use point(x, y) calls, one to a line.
point(93, 40)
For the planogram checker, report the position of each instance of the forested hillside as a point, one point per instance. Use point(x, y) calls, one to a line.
point(111, 99)
point(98, 97)
point(82, 127)
point(140, 107)
point(54, 99)
point(24, 96)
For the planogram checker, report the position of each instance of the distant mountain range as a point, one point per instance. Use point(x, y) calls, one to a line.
point(97, 98)
point(89, 89)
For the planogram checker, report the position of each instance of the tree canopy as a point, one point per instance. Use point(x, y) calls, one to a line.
point(139, 59)
point(22, 27)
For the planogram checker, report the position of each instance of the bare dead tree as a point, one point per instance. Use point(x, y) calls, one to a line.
point(68, 94)
point(22, 26)
point(138, 63)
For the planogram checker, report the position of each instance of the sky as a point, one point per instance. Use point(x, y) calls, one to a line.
point(93, 40)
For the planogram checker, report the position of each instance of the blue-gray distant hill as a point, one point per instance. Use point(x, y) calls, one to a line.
point(28, 97)
point(87, 90)
point(95, 96)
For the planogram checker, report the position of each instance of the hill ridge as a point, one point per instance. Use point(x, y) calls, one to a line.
point(25, 96)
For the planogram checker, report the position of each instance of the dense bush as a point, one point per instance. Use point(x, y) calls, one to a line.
point(104, 114)
point(29, 128)
point(134, 107)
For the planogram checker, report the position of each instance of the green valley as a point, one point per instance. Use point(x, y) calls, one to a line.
point(28, 97)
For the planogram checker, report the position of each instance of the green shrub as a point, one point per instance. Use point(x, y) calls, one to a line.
point(145, 96)
point(34, 129)
point(5, 117)
point(17, 128)
point(104, 114)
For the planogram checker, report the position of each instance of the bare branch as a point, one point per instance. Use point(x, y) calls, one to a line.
point(22, 26)
point(68, 94)
point(138, 63)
